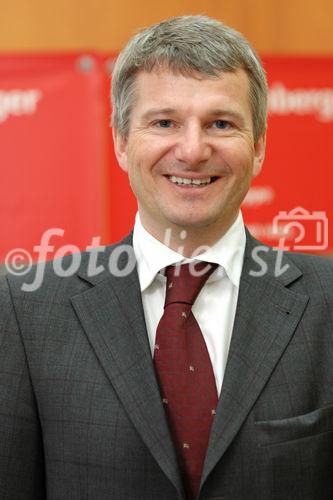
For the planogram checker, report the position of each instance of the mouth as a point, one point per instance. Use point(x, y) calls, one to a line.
point(185, 181)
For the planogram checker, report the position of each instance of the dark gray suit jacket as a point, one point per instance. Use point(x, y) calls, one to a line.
point(80, 411)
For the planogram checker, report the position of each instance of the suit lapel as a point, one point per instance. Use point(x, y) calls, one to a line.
point(112, 316)
point(266, 317)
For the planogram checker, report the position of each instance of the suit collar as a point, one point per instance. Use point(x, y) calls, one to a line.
point(113, 261)
point(263, 261)
point(257, 258)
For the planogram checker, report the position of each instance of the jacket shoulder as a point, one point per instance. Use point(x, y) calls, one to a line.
point(62, 278)
point(313, 265)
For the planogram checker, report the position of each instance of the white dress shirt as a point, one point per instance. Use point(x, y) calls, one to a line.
point(215, 306)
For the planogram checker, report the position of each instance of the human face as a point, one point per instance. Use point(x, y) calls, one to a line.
point(190, 152)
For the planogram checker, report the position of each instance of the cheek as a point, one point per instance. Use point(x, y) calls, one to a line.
point(140, 155)
point(139, 175)
point(239, 156)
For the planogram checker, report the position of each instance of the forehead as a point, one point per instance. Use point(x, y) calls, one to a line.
point(165, 89)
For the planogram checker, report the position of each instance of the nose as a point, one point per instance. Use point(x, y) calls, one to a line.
point(192, 145)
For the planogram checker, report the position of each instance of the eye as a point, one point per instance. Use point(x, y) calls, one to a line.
point(221, 124)
point(164, 123)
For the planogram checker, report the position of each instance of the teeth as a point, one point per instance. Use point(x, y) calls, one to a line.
point(195, 182)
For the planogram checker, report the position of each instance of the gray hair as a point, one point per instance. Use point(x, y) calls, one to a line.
point(187, 45)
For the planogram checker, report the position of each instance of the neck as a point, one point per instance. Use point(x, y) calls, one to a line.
point(189, 242)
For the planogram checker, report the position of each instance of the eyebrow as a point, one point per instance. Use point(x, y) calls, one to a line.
point(228, 113)
point(151, 113)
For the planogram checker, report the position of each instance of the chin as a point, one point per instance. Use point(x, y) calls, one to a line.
point(189, 223)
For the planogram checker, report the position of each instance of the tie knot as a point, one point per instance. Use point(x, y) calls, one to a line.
point(185, 281)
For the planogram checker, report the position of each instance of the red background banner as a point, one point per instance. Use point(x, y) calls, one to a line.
point(58, 168)
point(55, 166)
point(297, 170)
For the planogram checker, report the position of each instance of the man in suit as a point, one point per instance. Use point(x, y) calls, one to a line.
point(81, 392)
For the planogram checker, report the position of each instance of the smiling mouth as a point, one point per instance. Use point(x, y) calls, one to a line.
point(183, 181)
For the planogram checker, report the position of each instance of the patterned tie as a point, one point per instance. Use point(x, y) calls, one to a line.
point(184, 371)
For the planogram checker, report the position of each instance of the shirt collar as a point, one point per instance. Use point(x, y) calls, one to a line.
point(152, 255)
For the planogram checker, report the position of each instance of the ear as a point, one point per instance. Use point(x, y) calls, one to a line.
point(259, 154)
point(120, 148)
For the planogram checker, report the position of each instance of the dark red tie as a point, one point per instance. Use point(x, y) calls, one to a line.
point(184, 371)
